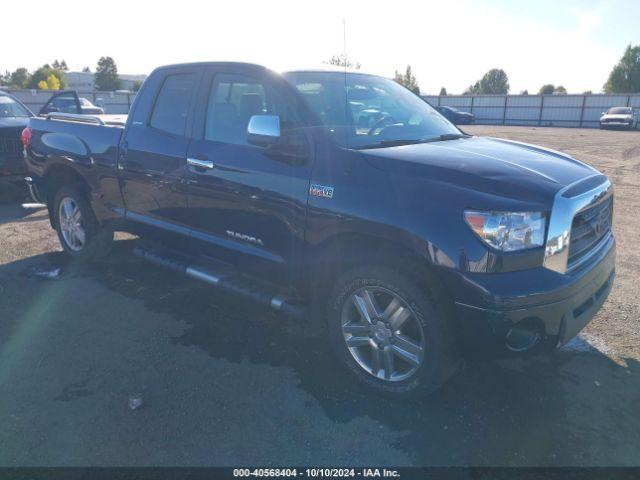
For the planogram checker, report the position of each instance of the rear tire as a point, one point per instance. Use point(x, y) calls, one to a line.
point(408, 347)
point(80, 234)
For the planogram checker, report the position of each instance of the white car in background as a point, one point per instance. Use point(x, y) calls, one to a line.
point(619, 117)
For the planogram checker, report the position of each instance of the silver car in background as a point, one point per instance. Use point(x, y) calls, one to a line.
point(619, 117)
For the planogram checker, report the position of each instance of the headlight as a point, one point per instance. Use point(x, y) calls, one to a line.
point(508, 231)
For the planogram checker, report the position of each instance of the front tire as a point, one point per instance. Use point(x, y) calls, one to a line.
point(392, 336)
point(80, 234)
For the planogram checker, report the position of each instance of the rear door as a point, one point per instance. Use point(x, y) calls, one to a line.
point(249, 205)
point(153, 154)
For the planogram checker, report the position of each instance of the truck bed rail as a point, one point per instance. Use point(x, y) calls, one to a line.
point(81, 118)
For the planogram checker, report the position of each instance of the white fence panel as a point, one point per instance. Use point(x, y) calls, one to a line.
point(543, 110)
point(557, 110)
point(112, 102)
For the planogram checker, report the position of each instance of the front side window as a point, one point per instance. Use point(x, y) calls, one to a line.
point(10, 108)
point(364, 110)
point(234, 99)
point(172, 104)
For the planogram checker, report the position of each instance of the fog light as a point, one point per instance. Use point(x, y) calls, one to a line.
point(522, 337)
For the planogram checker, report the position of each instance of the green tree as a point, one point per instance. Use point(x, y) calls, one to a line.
point(625, 76)
point(16, 78)
point(524, 92)
point(19, 76)
point(547, 89)
point(471, 89)
point(42, 74)
point(559, 90)
point(443, 92)
point(344, 61)
point(495, 81)
point(86, 70)
point(408, 80)
point(106, 76)
point(136, 85)
point(60, 65)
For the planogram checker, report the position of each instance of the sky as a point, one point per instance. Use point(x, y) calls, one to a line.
point(448, 43)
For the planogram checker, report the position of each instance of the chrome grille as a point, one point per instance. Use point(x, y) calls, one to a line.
point(588, 228)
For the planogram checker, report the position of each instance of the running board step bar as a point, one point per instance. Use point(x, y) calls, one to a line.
point(226, 281)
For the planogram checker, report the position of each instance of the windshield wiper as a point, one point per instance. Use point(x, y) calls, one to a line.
point(391, 143)
point(450, 136)
point(397, 143)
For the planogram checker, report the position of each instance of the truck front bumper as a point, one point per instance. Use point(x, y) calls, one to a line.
point(530, 310)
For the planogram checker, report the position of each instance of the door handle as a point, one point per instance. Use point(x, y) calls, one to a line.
point(195, 162)
point(122, 157)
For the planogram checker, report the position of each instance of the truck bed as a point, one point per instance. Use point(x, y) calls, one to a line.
point(86, 144)
point(83, 139)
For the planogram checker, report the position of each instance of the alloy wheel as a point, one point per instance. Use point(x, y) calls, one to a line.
point(383, 334)
point(71, 224)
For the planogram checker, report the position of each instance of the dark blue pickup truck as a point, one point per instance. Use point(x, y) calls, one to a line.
point(344, 195)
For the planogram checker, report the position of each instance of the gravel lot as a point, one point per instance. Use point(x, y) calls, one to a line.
point(224, 383)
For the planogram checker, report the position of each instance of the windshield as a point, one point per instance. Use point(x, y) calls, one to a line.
point(620, 111)
point(10, 108)
point(363, 111)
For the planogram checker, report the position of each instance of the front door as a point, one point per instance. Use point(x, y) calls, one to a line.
point(247, 204)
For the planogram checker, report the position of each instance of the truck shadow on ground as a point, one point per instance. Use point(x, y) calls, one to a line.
point(22, 212)
point(571, 408)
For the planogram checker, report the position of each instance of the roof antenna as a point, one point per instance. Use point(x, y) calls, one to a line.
point(344, 61)
point(344, 43)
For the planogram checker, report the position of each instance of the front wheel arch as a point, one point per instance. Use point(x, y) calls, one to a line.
point(345, 252)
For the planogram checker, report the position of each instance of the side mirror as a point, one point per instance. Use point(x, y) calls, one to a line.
point(49, 109)
point(263, 130)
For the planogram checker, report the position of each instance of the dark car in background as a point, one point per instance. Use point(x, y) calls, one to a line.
point(14, 116)
point(455, 116)
point(619, 117)
point(68, 101)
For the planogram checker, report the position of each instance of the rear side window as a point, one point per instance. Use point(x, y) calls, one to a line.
point(172, 104)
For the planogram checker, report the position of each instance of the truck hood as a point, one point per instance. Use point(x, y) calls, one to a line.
point(611, 116)
point(489, 165)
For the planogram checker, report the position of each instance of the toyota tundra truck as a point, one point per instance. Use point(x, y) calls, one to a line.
point(341, 196)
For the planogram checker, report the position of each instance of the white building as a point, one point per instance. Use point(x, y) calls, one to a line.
point(83, 81)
